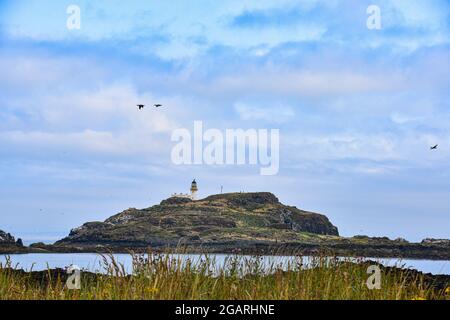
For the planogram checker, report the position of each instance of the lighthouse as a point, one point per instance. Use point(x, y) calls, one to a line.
point(192, 195)
point(194, 190)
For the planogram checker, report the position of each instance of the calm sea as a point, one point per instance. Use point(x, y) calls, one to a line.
point(93, 262)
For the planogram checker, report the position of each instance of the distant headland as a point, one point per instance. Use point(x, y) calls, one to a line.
point(250, 223)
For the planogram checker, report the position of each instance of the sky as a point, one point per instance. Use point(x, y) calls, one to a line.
point(357, 108)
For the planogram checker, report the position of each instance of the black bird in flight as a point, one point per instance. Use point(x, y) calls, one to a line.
point(141, 106)
point(158, 105)
point(434, 147)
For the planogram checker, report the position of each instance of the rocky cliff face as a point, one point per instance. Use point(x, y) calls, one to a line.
point(215, 219)
point(431, 241)
point(8, 243)
point(6, 238)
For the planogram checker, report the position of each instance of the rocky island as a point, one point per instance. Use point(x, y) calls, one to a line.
point(235, 220)
point(8, 244)
point(250, 223)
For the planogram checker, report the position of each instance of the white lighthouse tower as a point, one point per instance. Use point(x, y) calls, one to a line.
point(192, 195)
point(194, 190)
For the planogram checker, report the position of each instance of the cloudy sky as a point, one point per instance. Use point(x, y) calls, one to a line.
point(357, 109)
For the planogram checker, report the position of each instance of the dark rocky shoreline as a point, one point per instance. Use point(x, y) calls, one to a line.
point(247, 223)
point(410, 251)
point(439, 283)
point(9, 245)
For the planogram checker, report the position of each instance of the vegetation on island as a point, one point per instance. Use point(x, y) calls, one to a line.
point(247, 223)
point(250, 223)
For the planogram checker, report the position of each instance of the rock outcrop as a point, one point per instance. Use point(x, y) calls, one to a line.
point(431, 241)
point(249, 223)
point(8, 243)
point(244, 217)
point(6, 238)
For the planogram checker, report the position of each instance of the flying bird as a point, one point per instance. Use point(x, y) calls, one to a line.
point(434, 147)
point(141, 106)
point(158, 105)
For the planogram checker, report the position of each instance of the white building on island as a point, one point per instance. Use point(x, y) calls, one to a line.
point(192, 195)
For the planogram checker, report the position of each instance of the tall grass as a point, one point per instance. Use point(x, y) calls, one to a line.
point(171, 277)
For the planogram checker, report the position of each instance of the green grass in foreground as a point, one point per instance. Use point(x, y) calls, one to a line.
point(165, 277)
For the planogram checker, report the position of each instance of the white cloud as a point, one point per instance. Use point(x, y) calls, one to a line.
point(83, 142)
point(42, 70)
point(343, 146)
point(176, 33)
point(274, 113)
point(376, 151)
point(402, 118)
point(314, 83)
point(113, 105)
point(55, 114)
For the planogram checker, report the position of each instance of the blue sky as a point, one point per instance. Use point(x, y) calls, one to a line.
point(357, 109)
